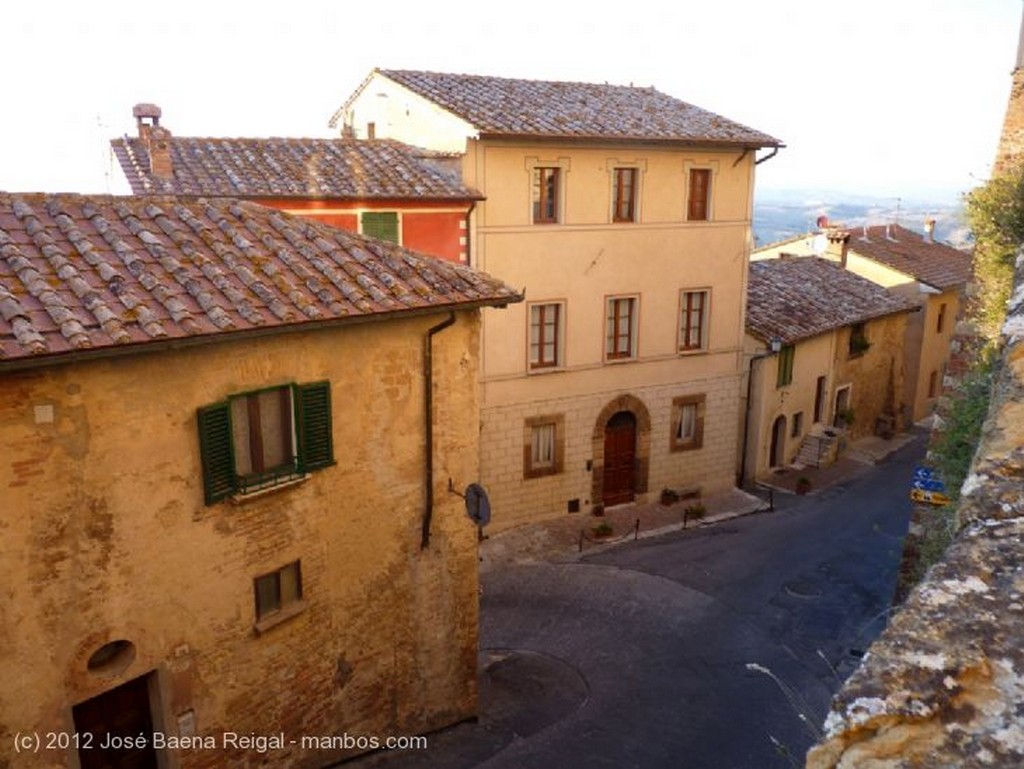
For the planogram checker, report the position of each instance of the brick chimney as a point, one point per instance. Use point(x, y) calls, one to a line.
point(838, 246)
point(156, 138)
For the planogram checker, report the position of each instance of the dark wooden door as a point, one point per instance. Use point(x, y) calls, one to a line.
point(620, 459)
point(120, 713)
point(778, 446)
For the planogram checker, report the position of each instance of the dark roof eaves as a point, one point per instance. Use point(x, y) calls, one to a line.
point(69, 357)
point(622, 139)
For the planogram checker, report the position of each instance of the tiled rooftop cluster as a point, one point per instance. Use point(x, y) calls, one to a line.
point(792, 299)
point(88, 272)
point(909, 252)
point(306, 168)
point(495, 105)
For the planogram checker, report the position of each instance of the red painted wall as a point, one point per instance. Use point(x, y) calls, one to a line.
point(437, 234)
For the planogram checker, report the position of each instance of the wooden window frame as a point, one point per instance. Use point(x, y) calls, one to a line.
point(784, 373)
point(545, 194)
point(311, 442)
point(698, 197)
point(679, 404)
point(537, 359)
point(280, 606)
point(612, 337)
point(820, 399)
point(798, 425)
point(624, 195)
point(532, 469)
point(686, 302)
point(940, 323)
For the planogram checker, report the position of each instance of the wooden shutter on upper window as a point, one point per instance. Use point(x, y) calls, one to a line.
point(313, 423)
point(216, 452)
point(381, 224)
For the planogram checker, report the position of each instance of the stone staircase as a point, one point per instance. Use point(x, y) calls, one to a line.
point(818, 450)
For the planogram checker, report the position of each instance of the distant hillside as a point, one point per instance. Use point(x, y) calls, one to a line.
point(783, 214)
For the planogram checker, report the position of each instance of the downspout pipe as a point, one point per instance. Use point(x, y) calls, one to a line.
point(428, 417)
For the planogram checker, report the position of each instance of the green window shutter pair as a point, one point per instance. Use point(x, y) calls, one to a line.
point(382, 225)
point(313, 430)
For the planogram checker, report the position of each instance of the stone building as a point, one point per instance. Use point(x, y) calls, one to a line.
point(933, 275)
point(225, 508)
point(384, 189)
point(626, 215)
point(837, 367)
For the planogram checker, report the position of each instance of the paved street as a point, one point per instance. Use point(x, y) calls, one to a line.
point(711, 648)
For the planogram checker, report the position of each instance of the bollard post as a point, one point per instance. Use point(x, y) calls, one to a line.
point(636, 530)
point(581, 541)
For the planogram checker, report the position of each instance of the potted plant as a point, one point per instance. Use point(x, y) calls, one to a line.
point(846, 416)
point(603, 530)
point(693, 512)
point(803, 485)
point(669, 496)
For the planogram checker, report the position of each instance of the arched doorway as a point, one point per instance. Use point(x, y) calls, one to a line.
point(777, 451)
point(619, 459)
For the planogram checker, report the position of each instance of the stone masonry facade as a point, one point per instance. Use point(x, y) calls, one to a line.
point(517, 500)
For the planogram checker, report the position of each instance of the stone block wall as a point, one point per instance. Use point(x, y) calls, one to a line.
point(517, 500)
point(944, 684)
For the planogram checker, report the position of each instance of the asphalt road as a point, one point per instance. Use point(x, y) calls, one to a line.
point(712, 648)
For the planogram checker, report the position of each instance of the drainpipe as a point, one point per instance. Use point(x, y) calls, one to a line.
point(428, 378)
point(776, 346)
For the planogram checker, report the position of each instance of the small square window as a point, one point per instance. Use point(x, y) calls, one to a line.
point(543, 445)
point(785, 372)
point(278, 589)
point(382, 225)
point(620, 328)
point(545, 193)
point(687, 422)
point(624, 195)
point(693, 320)
point(546, 335)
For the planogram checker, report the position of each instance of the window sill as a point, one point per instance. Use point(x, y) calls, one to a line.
point(533, 370)
point(279, 617)
point(693, 350)
point(249, 496)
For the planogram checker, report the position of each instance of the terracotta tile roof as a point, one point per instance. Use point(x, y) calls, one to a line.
point(504, 106)
point(933, 263)
point(293, 168)
point(87, 274)
point(798, 298)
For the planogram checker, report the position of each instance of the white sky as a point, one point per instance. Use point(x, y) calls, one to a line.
point(891, 97)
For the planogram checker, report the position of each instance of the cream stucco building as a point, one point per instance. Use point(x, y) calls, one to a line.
point(625, 215)
point(931, 274)
point(825, 351)
point(228, 437)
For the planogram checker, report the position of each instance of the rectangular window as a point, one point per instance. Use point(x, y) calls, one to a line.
point(700, 195)
point(819, 400)
point(933, 384)
point(256, 440)
point(620, 328)
point(693, 320)
point(785, 372)
point(624, 201)
point(859, 343)
point(543, 445)
point(276, 590)
point(382, 225)
point(687, 422)
point(798, 424)
point(546, 335)
point(545, 195)
point(940, 323)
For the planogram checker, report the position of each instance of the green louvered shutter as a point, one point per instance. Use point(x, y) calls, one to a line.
point(216, 452)
point(381, 224)
point(313, 418)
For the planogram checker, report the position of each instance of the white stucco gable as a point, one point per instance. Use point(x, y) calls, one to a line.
point(389, 110)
